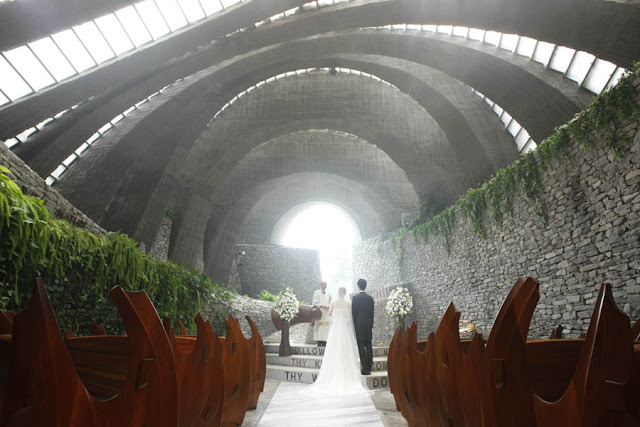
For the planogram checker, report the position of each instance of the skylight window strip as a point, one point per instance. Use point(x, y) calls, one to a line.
point(324, 3)
point(580, 66)
point(492, 37)
point(529, 146)
point(73, 49)
point(430, 28)
point(50, 180)
point(543, 52)
point(116, 119)
point(312, 5)
point(25, 134)
point(93, 41)
point(93, 138)
point(514, 127)
point(561, 59)
point(445, 29)
point(192, 10)
point(129, 110)
point(598, 76)
point(522, 138)
point(476, 34)
point(105, 128)
point(153, 20)
point(505, 118)
point(81, 149)
point(489, 102)
point(29, 67)
point(615, 77)
point(56, 173)
point(11, 142)
point(43, 123)
point(461, 32)
point(44, 67)
point(61, 113)
point(413, 27)
point(52, 58)
point(509, 42)
point(133, 26)
point(12, 84)
point(172, 14)
point(211, 6)
point(291, 11)
point(497, 109)
point(526, 47)
point(72, 157)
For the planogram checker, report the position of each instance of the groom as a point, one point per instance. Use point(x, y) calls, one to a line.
point(362, 310)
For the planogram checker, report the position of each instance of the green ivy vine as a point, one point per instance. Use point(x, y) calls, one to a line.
point(601, 120)
point(79, 267)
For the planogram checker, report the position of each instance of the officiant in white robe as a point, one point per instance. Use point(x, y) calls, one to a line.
point(321, 299)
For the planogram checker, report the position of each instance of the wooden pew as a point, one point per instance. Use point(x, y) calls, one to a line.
point(237, 375)
point(6, 322)
point(199, 363)
point(258, 363)
point(97, 329)
point(509, 381)
point(600, 391)
point(44, 388)
point(556, 333)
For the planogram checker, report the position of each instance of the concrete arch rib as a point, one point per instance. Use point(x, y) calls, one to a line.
point(476, 68)
point(147, 64)
point(251, 219)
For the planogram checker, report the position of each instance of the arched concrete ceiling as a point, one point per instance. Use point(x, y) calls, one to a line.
point(429, 127)
point(245, 222)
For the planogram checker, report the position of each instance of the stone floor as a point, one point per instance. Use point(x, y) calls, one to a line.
point(382, 399)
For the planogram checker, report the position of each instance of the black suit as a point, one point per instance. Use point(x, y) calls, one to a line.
point(362, 308)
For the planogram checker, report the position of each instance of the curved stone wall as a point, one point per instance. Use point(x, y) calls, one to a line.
point(593, 203)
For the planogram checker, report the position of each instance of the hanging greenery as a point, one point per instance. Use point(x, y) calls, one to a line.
point(602, 119)
point(79, 268)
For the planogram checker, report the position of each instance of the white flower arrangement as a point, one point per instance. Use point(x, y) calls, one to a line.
point(399, 304)
point(286, 305)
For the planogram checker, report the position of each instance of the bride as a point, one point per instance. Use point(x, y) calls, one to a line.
point(340, 370)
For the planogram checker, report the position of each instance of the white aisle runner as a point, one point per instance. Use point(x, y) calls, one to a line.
point(292, 405)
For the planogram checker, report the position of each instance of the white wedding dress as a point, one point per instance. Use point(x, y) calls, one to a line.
point(340, 370)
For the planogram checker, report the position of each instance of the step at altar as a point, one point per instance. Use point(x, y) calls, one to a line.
point(304, 365)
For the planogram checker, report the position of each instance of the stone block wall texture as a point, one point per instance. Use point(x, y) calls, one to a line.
point(268, 267)
point(32, 185)
point(239, 307)
point(592, 237)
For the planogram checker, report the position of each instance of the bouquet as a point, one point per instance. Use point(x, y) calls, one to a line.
point(399, 304)
point(286, 305)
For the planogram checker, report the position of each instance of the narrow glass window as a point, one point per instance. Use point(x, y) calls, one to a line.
point(172, 14)
point(11, 83)
point(526, 46)
point(192, 10)
point(580, 66)
point(114, 33)
point(599, 75)
point(47, 51)
point(133, 25)
point(543, 52)
point(94, 42)
point(562, 59)
point(26, 63)
point(214, 6)
point(152, 19)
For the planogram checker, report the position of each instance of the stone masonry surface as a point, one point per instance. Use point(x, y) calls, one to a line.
point(32, 185)
point(592, 237)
